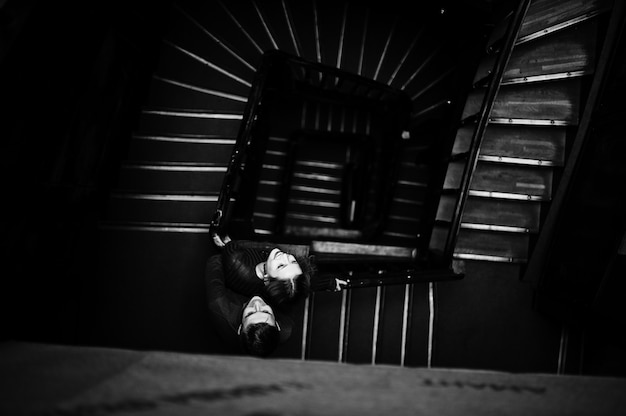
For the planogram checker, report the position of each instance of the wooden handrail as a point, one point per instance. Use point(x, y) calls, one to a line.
point(485, 111)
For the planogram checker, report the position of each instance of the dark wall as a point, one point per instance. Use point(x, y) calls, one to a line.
point(72, 76)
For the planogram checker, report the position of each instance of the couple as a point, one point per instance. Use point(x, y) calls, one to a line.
point(250, 287)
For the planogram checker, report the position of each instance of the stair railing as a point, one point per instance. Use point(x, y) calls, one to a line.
point(500, 65)
point(237, 155)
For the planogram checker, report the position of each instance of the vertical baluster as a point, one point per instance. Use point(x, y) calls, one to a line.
point(431, 322)
point(379, 292)
point(563, 350)
point(308, 310)
point(342, 325)
point(405, 322)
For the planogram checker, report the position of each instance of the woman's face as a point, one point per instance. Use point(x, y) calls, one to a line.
point(280, 265)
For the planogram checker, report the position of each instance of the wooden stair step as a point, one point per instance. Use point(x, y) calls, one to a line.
point(490, 211)
point(520, 180)
point(505, 245)
point(269, 190)
point(413, 171)
point(538, 143)
point(192, 178)
point(263, 225)
point(275, 173)
point(175, 208)
point(180, 93)
point(181, 148)
point(557, 101)
point(323, 233)
point(300, 219)
point(544, 14)
point(410, 190)
point(563, 52)
point(406, 208)
point(484, 245)
point(175, 122)
point(402, 227)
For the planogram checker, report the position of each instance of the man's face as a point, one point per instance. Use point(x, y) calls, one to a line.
point(257, 311)
point(282, 266)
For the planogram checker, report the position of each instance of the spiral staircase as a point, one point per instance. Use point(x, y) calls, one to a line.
point(494, 112)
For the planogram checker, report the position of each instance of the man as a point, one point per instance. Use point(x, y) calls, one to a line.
point(244, 324)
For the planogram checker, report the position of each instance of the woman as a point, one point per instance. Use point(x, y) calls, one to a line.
point(267, 270)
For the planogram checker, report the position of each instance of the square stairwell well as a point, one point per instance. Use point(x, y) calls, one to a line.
point(319, 162)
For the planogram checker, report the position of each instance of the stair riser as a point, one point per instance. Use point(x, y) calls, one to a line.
point(168, 181)
point(542, 14)
point(513, 246)
point(560, 53)
point(159, 124)
point(189, 96)
point(122, 209)
point(546, 144)
point(558, 101)
point(148, 150)
point(509, 179)
point(522, 214)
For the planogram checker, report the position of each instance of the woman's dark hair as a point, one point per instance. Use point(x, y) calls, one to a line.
point(287, 290)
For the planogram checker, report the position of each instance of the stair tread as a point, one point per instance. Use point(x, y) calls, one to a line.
point(558, 101)
point(559, 55)
point(543, 14)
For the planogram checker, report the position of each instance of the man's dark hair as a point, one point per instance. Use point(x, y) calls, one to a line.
point(260, 339)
